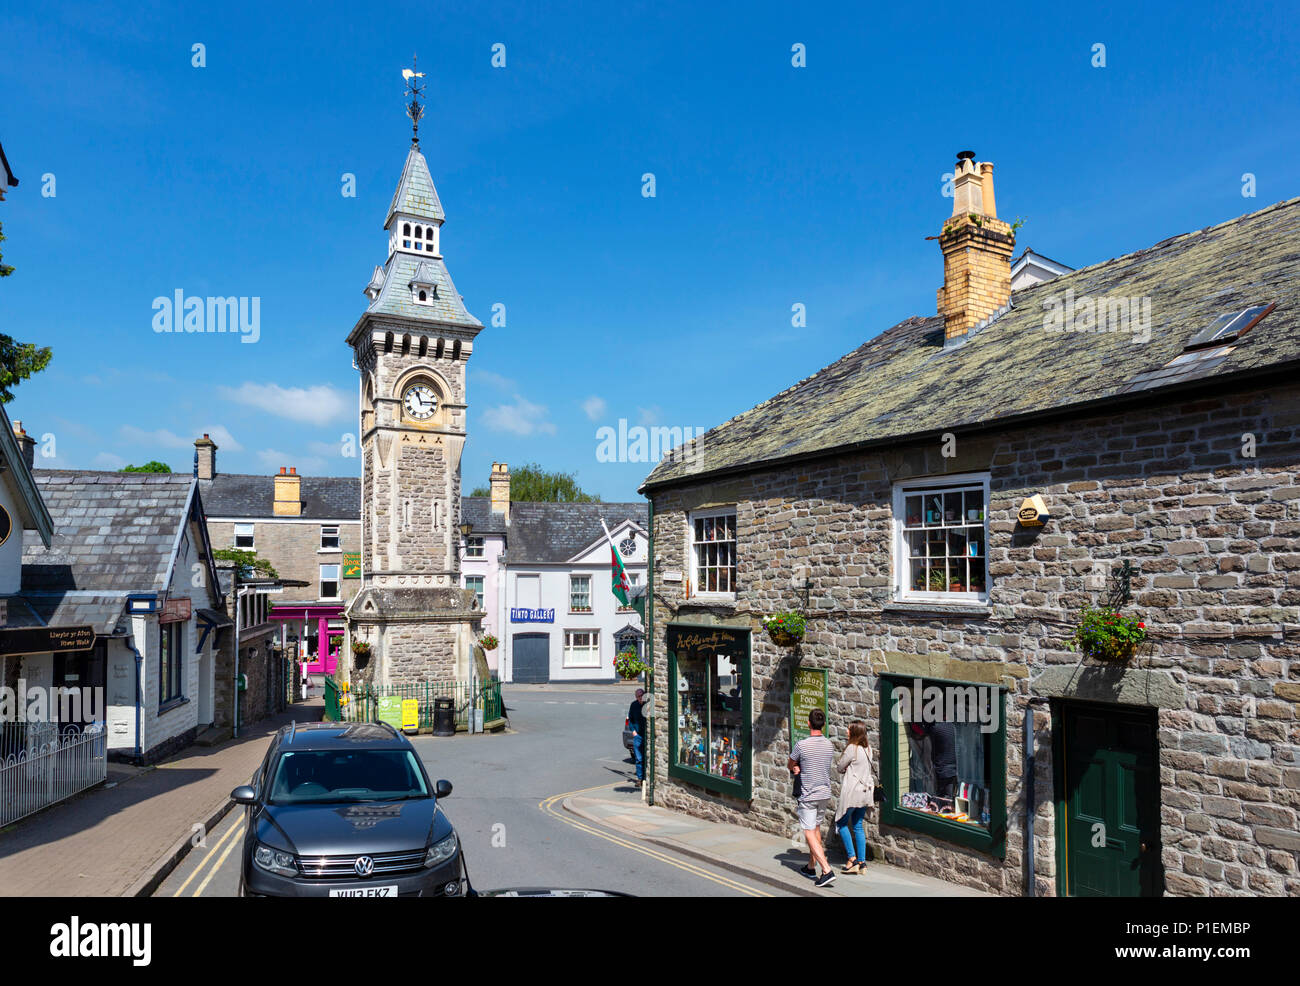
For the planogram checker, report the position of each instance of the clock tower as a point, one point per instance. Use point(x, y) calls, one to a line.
point(411, 345)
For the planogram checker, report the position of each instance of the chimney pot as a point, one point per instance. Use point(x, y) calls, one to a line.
point(27, 443)
point(977, 248)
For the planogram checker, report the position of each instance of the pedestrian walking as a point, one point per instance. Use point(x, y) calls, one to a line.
point(810, 763)
point(857, 792)
point(636, 722)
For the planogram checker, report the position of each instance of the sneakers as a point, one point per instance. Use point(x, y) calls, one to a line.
point(825, 880)
point(808, 870)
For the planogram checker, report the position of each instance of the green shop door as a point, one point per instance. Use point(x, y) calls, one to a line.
point(1107, 801)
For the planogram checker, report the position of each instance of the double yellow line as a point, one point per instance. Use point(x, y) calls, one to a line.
point(549, 807)
point(233, 835)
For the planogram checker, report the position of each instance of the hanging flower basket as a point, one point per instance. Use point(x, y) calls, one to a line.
point(628, 666)
point(1108, 635)
point(360, 648)
point(785, 629)
point(489, 642)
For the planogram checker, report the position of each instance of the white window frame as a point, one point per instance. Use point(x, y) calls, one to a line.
point(589, 607)
point(337, 580)
point(482, 587)
point(633, 580)
point(594, 650)
point(475, 546)
point(691, 554)
point(249, 531)
point(338, 537)
point(902, 568)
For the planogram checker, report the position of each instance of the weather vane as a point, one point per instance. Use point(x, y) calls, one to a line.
point(414, 89)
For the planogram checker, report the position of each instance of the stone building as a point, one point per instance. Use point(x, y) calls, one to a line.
point(411, 346)
point(309, 529)
point(941, 504)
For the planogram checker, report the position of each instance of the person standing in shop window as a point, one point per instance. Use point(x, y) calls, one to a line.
point(810, 761)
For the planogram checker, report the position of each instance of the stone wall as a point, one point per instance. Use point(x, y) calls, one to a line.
point(293, 549)
point(1213, 534)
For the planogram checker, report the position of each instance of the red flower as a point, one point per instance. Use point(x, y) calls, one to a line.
point(1142, 625)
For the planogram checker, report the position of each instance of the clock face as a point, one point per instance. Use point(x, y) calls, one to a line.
point(420, 402)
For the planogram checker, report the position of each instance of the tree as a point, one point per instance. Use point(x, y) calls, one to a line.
point(18, 360)
point(151, 466)
point(530, 483)
point(247, 562)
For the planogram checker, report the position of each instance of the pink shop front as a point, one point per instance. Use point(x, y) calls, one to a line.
point(314, 632)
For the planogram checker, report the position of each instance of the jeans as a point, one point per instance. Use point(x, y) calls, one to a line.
point(638, 751)
point(851, 831)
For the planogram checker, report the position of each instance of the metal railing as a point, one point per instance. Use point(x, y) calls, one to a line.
point(361, 704)
point(40, 776)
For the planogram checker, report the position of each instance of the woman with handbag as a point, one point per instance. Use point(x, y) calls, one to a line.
point(857, 792)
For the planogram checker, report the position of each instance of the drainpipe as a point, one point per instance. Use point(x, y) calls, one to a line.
point(650, 646)
point(139, 663)
point(234, 682)
point(1029, 781)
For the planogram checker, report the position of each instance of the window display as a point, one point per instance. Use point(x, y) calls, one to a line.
point(943, 759)
point(710, 729)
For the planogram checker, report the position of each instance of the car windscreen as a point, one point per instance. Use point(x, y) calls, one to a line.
point(332, 776)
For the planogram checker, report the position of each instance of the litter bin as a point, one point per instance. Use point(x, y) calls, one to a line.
point(444, 717)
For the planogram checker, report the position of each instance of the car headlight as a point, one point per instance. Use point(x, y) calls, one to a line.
point(274, 861)
point(441, 851)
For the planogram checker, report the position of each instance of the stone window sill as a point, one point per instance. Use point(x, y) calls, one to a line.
point(916, 607)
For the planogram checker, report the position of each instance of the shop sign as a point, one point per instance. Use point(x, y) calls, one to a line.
point(706, 639)
point(352, 564)
point(44, 640)
point(410, 715)
point(520, 614)
point(176, 610)
point(390, 710)
point(809, 689)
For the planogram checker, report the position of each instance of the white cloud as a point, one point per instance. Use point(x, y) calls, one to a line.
point(225, 440)
point(594, 407)
point(329, 450)
point(315, 405)
point(523, 417)
point(162, 438)
point(649, 415)
point(107, 460)
point(273, 459)
point(489, 379)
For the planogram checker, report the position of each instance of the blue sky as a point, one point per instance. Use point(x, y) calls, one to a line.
point(775, 185)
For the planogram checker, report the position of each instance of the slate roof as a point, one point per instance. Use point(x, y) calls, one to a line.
point(103, 611)
point(555, 532)
point(903, 385)
point(394, 298)
point(323, 497)
point(477, 510)
point(112, 531)
point(415, 194)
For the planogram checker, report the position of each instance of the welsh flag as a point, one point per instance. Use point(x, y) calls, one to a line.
point(618, 583)
point(618, 577)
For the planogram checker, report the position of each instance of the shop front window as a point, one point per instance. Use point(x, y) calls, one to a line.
point(944, 759)
point(710, 729)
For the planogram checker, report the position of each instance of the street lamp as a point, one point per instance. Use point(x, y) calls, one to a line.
point(466, 528)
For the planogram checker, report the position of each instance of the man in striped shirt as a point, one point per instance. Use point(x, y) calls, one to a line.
point(810, 762)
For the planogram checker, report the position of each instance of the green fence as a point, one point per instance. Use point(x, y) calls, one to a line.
point(362, 703)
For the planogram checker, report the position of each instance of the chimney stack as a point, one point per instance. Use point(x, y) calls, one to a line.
point(499, 486)
point(977, 248)
point(27, 443)
point(205, 458)
point(288, 494)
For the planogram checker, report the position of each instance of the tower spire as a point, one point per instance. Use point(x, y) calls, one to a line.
point(415, 90)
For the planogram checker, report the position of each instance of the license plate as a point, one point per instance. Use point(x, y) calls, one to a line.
point(388, 891)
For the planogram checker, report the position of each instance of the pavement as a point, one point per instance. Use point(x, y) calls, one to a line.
point(121, 839)
point(758, 856)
